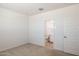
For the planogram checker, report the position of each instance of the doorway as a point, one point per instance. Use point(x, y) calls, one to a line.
point(49, 33)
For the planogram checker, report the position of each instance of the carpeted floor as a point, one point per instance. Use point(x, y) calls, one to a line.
point(32, 50)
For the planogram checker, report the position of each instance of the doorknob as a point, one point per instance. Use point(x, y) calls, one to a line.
point(65, 36)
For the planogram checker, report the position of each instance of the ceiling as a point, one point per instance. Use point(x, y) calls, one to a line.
point(32, 8)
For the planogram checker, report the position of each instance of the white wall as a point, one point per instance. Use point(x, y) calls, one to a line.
point(13, 29)
point(36, 30)
point(36, 26)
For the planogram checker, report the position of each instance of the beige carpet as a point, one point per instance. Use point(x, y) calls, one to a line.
point(32, 50)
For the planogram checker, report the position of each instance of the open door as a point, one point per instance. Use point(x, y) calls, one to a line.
point(49, 33)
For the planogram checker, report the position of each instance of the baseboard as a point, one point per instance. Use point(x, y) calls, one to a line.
point(13, 47)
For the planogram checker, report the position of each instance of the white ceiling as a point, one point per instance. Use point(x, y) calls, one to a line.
point(32, 8)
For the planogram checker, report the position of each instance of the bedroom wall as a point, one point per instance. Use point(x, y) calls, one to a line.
point(17, 29)
point(36, 30)
point(13, 29)
point(37, 26)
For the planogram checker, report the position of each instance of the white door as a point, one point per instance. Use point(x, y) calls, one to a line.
point(71, 35)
